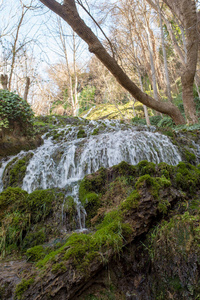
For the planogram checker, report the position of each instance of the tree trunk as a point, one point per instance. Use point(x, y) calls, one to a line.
point(69, 13)
point(144, 106)
point(185, 10)
point(153, 71)
point(75, 78)
point(164, 56)
point(27, 88)
point(14, 48)
point(4, 81)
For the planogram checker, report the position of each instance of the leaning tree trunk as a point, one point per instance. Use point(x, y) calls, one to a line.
point(70, 14)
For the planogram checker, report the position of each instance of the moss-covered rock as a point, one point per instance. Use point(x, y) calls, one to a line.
point(69, 212)
point(15, 171)
point(26, 219)
point(123, 203)
point(22, 287)
point(81, 134)
point(174, 251)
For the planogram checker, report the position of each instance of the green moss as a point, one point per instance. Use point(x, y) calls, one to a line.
point(19, 212)
point(190, 157)
point(95, 131)
point(22, 287)
point(124, 169)
point(15, 171)
point(163, 169)
point(35, 253)
point(35, 237)
point(145, 167)
point(40, 204)
point(92, 183)
point(155, 184)
point(82, 248)
point(187, 177)
point(70, 212)
point(81, 134)
point(58, 268)
point(91, 204)
point(131, 202)
point(14, 196)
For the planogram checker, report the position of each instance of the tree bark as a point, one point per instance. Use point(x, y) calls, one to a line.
point(185, 10)
point(4, 81)
point(69, 13)
point(27, 88)
point(164, 55)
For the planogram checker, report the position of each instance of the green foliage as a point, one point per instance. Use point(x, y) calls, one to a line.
point(145, 167)
point(175, 244)
point(154, 120)
point(138, 121)
point(58, 268)
point(40, 204)
point(86, 98)
point(124, 169)
point(187, 177)
point(190, 157)
point(35, 253)
point(83, 248)
point(15, 171)
point(95, 131)
point(19, 211)
point(34, 237)
point(81, 134)
point(91, 204)
point(166, 122)
point(92, 183)
point(131, 202)
point(14, 109)
point(22, 287)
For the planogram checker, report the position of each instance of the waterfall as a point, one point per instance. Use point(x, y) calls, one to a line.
point(66, 160)
point(56, 165)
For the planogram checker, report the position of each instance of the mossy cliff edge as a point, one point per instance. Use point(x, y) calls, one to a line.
point(142, 240)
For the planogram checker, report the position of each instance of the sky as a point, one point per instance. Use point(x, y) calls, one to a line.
point(39, 25)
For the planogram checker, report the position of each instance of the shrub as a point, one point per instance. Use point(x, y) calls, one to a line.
point(14, 109)
point(139, 121)
point(166, 122)
point(154, 120)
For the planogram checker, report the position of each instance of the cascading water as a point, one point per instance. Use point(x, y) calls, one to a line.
point(65, 161)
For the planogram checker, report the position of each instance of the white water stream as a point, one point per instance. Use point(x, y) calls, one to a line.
point(65, 162)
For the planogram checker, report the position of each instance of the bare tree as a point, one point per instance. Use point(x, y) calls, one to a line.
point(69, 13)
point(164, 54)
point(185, 12)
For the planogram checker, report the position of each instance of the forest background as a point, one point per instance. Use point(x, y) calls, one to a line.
point(48, 64)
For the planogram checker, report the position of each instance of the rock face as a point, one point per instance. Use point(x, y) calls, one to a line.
point(10, 276)
point(12, 141)
point(112, 249)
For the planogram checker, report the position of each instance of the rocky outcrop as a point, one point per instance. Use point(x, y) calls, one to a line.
point(67, 284)
point(124, 218)
point(13, 141)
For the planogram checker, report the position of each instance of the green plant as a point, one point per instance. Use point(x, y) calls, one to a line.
point(166, 122)
point(154, 120)
point(139, 121)
point(22, 287)
point(14, 109)
point(35, 253)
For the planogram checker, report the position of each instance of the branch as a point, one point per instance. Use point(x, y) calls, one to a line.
point(53, 5)
point(89, 14)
